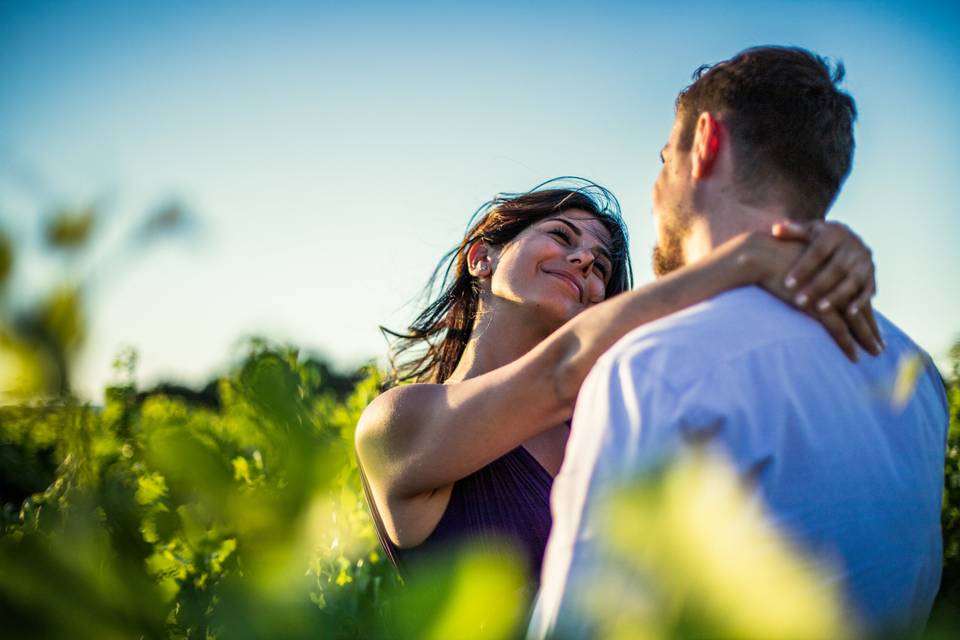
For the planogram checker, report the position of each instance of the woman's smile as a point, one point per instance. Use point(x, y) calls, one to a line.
point(575, 287)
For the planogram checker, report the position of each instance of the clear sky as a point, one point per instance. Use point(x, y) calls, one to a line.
point(332, 154)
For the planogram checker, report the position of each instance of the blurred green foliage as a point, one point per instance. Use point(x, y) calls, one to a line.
point(163, 519)
point(237, 511)
point(947, 608)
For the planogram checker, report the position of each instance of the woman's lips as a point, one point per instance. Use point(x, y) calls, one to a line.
point(575, 286)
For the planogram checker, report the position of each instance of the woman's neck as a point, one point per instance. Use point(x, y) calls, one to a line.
point(499, 337)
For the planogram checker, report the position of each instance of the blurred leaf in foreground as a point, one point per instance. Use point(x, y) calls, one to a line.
point(46, 341)
point(73, 584)
point(473, 593)
point(21, 369)
point(6, 258)
point(63, 319)
point(694, 554)
point(70, 229)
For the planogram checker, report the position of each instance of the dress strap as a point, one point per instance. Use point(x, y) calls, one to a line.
point(385, 542)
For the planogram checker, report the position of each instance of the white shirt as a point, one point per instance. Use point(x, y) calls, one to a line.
point(842, 470)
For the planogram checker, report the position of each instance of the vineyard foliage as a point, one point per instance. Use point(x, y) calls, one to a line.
point(153, 516)
point(948, 602)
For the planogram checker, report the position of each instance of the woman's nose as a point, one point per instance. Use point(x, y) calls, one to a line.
point(583, 258)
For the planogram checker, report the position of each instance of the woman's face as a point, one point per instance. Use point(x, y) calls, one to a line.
point(557, 267)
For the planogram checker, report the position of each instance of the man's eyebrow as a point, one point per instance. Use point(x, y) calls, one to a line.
point(601, 249)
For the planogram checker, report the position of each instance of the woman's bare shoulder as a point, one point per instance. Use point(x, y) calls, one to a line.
point(394, 411)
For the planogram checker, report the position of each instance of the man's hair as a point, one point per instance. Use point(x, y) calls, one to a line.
point(791, 128)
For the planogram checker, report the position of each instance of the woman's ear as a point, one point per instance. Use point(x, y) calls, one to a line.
point(480, 259)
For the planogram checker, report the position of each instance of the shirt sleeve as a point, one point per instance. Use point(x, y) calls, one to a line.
point(610, 440)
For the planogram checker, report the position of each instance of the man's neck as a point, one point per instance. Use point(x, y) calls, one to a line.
point(713, 227)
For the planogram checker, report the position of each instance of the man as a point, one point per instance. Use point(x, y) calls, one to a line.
point(846, 473)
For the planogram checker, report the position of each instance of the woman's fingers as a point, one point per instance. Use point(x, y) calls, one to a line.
point(836, 325)
point(855, 278)
point(861, 307)
point(821, 248)
point(826, 279)
point(859, 316)
point(839, 277)
point(863, 327)
point(838, 296)
point(834, 281)
point(862, 301)
point(872, 321)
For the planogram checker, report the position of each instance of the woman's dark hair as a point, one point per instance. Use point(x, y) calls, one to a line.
point(432, 346)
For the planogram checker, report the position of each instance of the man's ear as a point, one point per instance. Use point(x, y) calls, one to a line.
point(707, 140)
point(480, 259)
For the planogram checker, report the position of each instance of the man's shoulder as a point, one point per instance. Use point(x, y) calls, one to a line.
point(728, 309)
point(745, 324)
point(684, 343)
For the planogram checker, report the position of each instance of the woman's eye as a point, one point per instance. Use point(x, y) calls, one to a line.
point(601, 269)
point(561, 233)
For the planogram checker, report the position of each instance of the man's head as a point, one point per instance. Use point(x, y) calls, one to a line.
point(766, 130)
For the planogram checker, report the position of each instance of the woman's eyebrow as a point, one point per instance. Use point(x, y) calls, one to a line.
point(572, 226)
point(602, 249)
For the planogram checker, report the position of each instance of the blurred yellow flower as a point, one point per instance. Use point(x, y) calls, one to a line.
point(908, 373)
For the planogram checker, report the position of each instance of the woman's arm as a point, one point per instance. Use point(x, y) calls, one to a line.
point(418, 438)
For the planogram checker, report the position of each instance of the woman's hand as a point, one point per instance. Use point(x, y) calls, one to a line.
point(836, 271)
point(831, 278)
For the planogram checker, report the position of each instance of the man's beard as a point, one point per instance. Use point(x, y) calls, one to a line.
point(667, 258)
point(668, 254)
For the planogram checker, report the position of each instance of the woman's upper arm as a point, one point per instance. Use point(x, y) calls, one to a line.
point(420, 437)
point(386, 427)
point(402, 434)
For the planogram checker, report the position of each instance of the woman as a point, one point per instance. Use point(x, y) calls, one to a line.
point(539, 290)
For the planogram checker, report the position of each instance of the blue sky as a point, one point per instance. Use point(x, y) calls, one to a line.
point(332, 154)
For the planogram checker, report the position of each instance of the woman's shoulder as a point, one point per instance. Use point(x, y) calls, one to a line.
point(402, 398)
point(394, 410)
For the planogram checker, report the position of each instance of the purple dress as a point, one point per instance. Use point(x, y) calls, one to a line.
point(509, 499)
